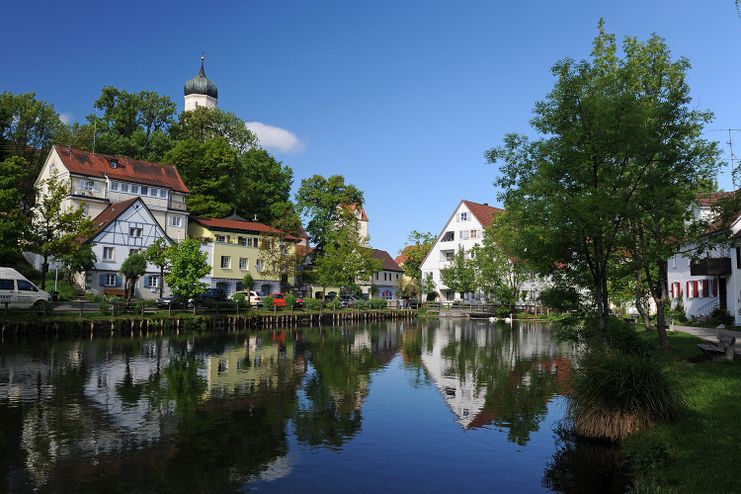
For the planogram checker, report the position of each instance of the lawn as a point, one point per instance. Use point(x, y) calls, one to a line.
point(703, 447)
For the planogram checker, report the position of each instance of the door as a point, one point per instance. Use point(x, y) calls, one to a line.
point(723, 294)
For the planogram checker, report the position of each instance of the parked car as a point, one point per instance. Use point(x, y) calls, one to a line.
point(279, 300)
point(348, 300)
point(210, 297)
point(172, 302)
point(299, 303)
point(18, 292)
point(254, 297)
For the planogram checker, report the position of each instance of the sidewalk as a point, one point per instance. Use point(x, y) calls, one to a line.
point(708, 334)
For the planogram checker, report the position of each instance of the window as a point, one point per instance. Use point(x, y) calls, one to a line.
point(163, 193)
point(113, 163)
point(134, 189)
point(474, 234)
point(243, 265)
point(134, 251)
point(114, 186)
point(397, 276)
point(705, 288)
point(135, 231)
point(251, 242)
point(464, 216)
point(154, 192)
point(176, 220)
point(151, 281)
point(738, 258)
point(384, 276)
point(110, 279)
point(464, 234)
point(221, 238)
point(242, 241)
point(26, 286)
point(108, 253)
point(448, 237)
point(226, 262)
point(259, 265)
point(87, 185)
point(86, 208)
point(125, 188)
point(7, 285)
point(145, 190)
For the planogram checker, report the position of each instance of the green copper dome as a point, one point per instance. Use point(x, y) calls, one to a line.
point(200, 84)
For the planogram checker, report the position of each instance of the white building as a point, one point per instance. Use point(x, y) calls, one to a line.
point(386, 281)
point(122, 229)
point(705, 281)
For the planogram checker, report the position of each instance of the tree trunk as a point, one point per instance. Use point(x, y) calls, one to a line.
point(660, 313)
point(44, 271)
point(603, 309)
point(639, 302)
point(162, 280)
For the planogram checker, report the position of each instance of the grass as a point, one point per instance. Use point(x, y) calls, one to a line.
point(699, 452)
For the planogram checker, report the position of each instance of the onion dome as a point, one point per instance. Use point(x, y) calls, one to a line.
point(200, 84)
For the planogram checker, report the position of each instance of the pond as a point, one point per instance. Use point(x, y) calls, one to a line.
point(400, 406)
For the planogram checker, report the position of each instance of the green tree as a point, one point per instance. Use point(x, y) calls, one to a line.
point(324, 201)
point(157, 255)
point(28, 127)
point(415, 254)
point(187, 266)
point(497, 274)
point(615, 132)
point(133, 268)
point(209, 124)
point(265, 190)
point(55, 230)
point(78, 261)
point(13, 218)
point(248, 281)
point(459, 276)
point(281, 260)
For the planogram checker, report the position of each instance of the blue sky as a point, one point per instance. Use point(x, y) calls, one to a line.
point(401, 97)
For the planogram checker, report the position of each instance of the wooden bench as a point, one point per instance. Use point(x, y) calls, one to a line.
point(723, 350)
point(114, 292)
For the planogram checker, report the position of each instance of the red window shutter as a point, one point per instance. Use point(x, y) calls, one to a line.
point(672, 291)
point(715, 288)
point(689, 293)
point(679, 289)
point(705, 288)
point(696, 288)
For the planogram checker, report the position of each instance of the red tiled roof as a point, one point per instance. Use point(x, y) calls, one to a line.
point(388, 263)
point(225, 224)
point(302, 233)
point(108, 216)
point(706, 200)
point(128, 169)
point(483, 212)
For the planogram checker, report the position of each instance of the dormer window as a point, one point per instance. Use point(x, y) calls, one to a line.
point(114, 186)
point(113, 163)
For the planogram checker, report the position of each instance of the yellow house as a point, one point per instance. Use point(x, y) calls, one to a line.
point(233, 248)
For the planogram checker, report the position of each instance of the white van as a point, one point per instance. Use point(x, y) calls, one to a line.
point(18, 292)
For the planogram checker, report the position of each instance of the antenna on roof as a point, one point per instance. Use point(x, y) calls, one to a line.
point(732, 157)
point(95, 130)
point(255, 218)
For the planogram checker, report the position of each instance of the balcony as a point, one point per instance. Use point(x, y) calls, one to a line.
point(87, 192)
point(177, 204)
point(711, 266)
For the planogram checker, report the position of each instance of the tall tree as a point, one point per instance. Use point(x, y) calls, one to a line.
point(27, 127)
point(611, 129)
point(459, 276)
point(55, 230)
point(207, 124)
point(414, 255)
point(324, 202)
point(133, 268)
point(188, 266)
point(281, 259)
point(157, 254)
point(14, 220)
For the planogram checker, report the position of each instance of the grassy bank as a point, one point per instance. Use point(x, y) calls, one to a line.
point(701, 451)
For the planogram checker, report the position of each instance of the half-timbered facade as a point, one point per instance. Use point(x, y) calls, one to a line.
point(122, 229)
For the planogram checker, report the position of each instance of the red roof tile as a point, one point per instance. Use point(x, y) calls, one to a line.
point(109, 215)
point(706, 200)
point(388, 263)
point(128, 169)
point(483, 212)
point(225, 224)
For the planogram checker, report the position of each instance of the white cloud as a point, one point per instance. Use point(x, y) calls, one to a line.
point(276, 138)
point(66, 117)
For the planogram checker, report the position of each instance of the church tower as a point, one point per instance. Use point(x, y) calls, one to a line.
point(200, 91)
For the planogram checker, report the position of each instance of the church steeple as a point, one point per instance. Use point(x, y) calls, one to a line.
point(200, 91)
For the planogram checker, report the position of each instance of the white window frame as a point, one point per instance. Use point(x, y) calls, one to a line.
point(464, 215)
point(228, 260)
point(134, 189)
point(136, 229)
point(144, 189)
point(114, 186)
point(259, 265)
point(109, 280)
point(112, 250)
point(220, 239)
point(244, 264)
point(163, 193)
point(87, 185)
point(474, 234)
point(463, 235)
point(154, 282)
point(125, 188)
point(176, 220)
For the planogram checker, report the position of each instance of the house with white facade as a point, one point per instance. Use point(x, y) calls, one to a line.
point(705, 281)
point(122, 229)
point(386, 281)
point(465, 229)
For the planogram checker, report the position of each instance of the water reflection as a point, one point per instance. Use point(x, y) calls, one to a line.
point(216, 413)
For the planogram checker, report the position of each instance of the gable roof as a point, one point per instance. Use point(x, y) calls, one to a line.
point(707, 200)
point(127, 169)
point(483, 212)
point(388, 263)
point(109, 215)
point(233, 225)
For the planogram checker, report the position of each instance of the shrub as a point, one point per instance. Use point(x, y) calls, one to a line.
point(313, 303)
point(333, 304)
point(240, 299)
point(502, 311)
point(677, 313)
point(720, 316)
point(290, 300)
point(615, 393)
point(378, 303)
point(363, 304)
point(268, 302)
